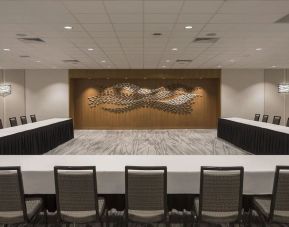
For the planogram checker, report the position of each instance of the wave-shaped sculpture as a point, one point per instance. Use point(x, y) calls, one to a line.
point(128, 97)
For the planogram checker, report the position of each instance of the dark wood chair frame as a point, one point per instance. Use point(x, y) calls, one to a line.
point(33, 118)
point(1, 124)
point(166, 219)
point(22, 198)
point(23, 120)
point(197, 219)
point(267, 116)
point(99, 217)
point(257, 117)
point(278, 118)
point(12, 119)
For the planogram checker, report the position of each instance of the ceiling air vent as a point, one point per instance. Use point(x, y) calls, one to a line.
point(205, 40)
point(31, 40)
point(183, 61)
point(284, 19)
point(70, 61)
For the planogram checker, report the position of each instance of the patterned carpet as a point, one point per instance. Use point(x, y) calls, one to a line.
point(147, 142)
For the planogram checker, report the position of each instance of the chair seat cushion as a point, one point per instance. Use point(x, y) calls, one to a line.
point(33, 206)
point(263, 204)
point(215, 216)
point(11, 217)
point(146, 216)
point(85, 216)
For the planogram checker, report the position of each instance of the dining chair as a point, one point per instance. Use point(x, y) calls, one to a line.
point(33, 118)
point(1, 124)
point(13, 121)
point(276, 120)
point(220, 200)
point(23, 120)
point(76, 195)
point(265, 118)
point(275, 208)
point(146, 195)
point(14, 207)
point(257, 117)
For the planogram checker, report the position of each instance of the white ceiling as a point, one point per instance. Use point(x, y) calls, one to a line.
point(120, 32)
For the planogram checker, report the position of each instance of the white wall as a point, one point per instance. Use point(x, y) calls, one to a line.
point(47, 93)
point(242, 92)
point(1, 99)
point(276, 103)
point(14, 104)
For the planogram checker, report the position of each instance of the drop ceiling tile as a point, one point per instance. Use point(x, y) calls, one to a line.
point(194, 18)
point(245, 18)
point(124, 7)
point(201, 6)
point(85, 6)
point(160, 18)
point(163, 7)
point(158, 27)
point(87, 18)
point(126, 18)
point(255, 7)
point(98, 27)
point(128, 27)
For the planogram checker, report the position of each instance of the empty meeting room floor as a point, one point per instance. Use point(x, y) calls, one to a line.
point(147, 142)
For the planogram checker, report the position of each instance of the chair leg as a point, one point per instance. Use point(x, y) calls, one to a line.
point(45, 218)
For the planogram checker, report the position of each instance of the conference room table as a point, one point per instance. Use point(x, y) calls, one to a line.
point(256, 137)
point(35, 138)
point(183, 173)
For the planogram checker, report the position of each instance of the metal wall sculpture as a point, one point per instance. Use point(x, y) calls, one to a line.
point(127, 97)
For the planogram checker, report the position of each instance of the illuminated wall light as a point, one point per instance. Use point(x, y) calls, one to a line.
point(5, 89)
point(283, 88)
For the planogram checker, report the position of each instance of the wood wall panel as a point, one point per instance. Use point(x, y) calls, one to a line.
point(206, 109)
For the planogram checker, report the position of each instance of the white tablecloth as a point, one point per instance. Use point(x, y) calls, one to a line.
point(183, 171)
point(278, 128)
point(30, 126)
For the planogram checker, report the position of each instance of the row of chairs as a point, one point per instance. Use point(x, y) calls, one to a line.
point(276, 119)
point(220, 199)
point(23, 119)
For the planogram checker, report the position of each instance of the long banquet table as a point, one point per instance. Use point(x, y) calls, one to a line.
point(183, 170)
point(35, 138)
point(255, 137)
point(183, 174)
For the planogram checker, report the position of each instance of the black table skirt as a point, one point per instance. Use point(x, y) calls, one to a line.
point(37, 141)
point(256, 140)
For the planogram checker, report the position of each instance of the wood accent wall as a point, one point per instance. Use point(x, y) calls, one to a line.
point(86, 83)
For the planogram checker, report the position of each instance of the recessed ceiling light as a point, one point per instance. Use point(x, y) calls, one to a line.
point(258, 49)
point(174, 49)
point(188, 27)
point(68, 27)
point(90, 49)
point(232, 60)
point(219, 66)
point(103, 61)
point(274, 66)
point(164, 66)
point(37, 61)
point(6, 49)
point(168, 60)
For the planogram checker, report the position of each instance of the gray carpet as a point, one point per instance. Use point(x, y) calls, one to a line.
point(147, 142)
